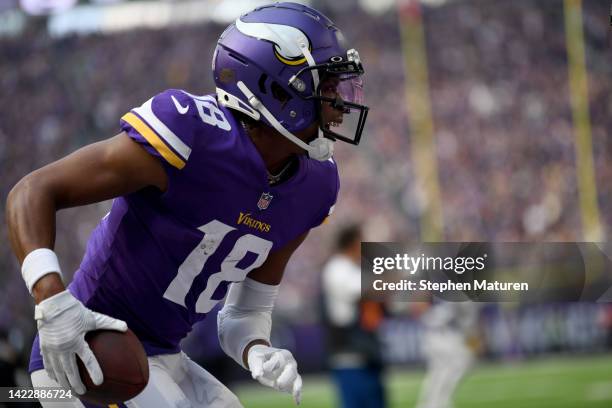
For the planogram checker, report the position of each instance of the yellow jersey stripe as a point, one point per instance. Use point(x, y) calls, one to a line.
point(154, 140)
point(145, 111)
point(113, 406)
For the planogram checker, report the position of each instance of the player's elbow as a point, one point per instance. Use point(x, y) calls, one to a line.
point(24, 188)
point(16, 196)
point(27, 192)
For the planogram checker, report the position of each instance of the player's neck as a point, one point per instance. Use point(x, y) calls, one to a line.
point(275, 165)
point(275, 150)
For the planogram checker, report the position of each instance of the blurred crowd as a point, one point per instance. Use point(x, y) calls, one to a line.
point(501, 103)
point(501, 107)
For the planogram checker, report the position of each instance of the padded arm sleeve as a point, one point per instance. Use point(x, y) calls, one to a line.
point(246, 316)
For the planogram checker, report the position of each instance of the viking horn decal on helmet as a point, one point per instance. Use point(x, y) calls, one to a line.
point(285, 38)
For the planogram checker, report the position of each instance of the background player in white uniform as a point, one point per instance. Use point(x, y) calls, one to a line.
point(448, 328)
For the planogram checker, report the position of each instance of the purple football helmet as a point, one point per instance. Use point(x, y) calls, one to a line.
point(279, 63)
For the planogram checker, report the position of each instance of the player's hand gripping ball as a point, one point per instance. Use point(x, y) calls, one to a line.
point(104, 350)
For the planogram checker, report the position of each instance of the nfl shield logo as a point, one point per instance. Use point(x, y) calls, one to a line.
point(264, 201)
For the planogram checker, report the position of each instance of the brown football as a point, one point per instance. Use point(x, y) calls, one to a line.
point(124, 366)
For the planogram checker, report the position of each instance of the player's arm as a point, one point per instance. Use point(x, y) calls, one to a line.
point(271, 274)
point(97, 172)
point(245, 323)
point(94, 173)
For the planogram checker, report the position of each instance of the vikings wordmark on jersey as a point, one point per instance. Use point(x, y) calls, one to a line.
point(161, 261)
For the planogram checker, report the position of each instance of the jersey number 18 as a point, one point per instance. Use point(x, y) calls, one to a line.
point(214, 232)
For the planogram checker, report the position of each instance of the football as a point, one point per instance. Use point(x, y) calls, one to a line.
point(124, 365)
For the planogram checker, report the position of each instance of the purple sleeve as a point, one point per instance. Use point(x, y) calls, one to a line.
point(165, 125)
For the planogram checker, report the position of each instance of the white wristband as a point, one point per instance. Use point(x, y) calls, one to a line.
point(37, 264)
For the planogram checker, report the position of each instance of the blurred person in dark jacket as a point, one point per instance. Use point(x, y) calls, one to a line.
point(351, 323)
point(8, 361)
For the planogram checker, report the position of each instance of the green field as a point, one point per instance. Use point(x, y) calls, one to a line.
point(570, 382)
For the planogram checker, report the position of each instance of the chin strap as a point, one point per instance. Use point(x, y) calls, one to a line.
point(303, 43)
point(323, 146)
point(320, 149)
point(229, 100)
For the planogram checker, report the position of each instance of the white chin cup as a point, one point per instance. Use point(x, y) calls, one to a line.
point(321, 149)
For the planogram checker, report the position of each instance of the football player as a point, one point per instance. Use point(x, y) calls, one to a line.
point(449, 347)
point(212, 195)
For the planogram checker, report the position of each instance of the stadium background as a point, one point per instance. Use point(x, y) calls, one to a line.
point(489, 120)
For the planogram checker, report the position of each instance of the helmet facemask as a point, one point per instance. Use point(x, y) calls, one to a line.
point(339, 92)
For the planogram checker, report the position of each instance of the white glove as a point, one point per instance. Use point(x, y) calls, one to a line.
point(275, 368)
point(62, 323)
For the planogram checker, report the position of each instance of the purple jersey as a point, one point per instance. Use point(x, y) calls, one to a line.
point(161, 261)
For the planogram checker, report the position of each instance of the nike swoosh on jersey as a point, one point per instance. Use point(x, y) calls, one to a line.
point(181, 109)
